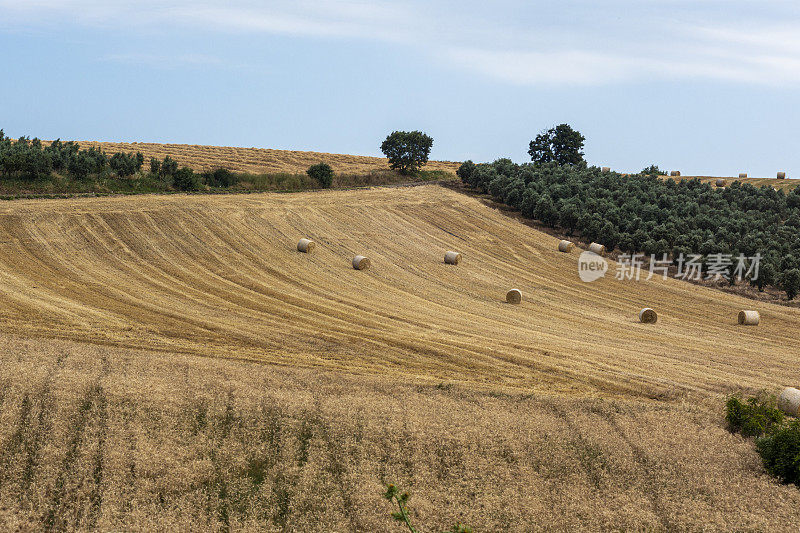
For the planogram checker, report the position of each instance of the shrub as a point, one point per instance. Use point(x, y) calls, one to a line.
point(780, 453)
point(754, 417)
point(169, 167)
point(221, 177)
point(323, 173)
point(155, 165)
point(407, 151)
point(791, 283)
point(653, 170)
point(465, 171)
point(186, 180)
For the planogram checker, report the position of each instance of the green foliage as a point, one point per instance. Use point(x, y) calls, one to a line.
point(221, 177)
point(393, 494)
point(185, 179)
point(169, 167)
point(754, 417)
point(780, 452)
point(155, 165)
point(322, 173)
point(653, 170)
point(407, 151)
point(126, 164)
point(465, 171)
point(645, 213)
point(561, 144)
point(790, 283)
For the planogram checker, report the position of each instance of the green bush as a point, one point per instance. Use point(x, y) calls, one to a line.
point(780, 453)
point(186, 180)
point(323, 173)
point(221, 177)
point(465, 171)
point(754, 417)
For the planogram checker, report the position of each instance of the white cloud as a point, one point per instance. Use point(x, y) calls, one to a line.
point(574, 42)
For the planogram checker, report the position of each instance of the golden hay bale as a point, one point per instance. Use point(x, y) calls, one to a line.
point(789, 401)
point(514, 296)
point(749, 318)
point(452, 258)
point(597, 248)
point(647, 316)
point(742, 174)
point(360, 262)
point(675, 173)
point(606, 169)
point(720, 182)
point(305, 245)
point(781, 175)
point(565, 246)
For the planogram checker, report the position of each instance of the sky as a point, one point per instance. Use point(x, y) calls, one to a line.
point(708, 87)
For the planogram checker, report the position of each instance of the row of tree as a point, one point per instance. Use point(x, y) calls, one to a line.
point(647, 214)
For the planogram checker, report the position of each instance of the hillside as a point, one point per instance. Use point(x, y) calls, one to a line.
point(785, 184)
point(255, 160)
point(174, 363)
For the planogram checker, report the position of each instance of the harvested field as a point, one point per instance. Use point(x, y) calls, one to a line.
point(784, 184)
point(173, 362)
point(256, 160)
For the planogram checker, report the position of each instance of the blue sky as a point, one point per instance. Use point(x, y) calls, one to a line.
point(704, 86)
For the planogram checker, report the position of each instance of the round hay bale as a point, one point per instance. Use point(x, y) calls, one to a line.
point(781, 175)
point(360, 262)
point(749, 318)
point(742, 174)
point(452, 258)
point(647, 316)
point(606, 169)
point(597, 248)
point(514, 296)
point(675, 173)
point(305, 246)
point(565, 246)
point(789, 401)
point(720, 182)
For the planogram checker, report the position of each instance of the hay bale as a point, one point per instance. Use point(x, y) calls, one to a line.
point(789, 401)
point(565, 246)
point(514, 296)
point(749, 318)
point(360, 262)
point(606, 169)
point(305, 246)
point(647, 316)
point(720, 182)
point(742, 174)
point(597, 248)
point(452, 258)
point(675, 173)
point(781, 175)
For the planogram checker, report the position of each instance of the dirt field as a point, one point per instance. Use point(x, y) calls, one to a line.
point(255, 160)
point(133, 393)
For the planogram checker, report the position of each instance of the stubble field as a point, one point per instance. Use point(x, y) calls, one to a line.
point(174, 362)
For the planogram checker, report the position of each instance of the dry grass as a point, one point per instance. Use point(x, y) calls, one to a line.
point(256, 160)
point(785, 184)
point(117, 439)
point(134, 394)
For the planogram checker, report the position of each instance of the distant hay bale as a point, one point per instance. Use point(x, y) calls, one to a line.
point(305, 245)
point(749, 318)
point(720, 182)
point(675, 173)
point(565, 246)
point(789, 401)
point(597, 248)
point(360, 262)
point(647, 316)
point(781, 175)
point(514, 296)
point(606, 169)
point(742, 174)
point(452, 258)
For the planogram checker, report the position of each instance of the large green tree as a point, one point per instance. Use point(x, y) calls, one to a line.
point(407, 151)
point(560, 144)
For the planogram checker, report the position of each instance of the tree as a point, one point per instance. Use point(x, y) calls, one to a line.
point(322, 173)
point(407, 151)
point(791, 283)
point(155, 165)
point(186, 180)
point(561, 144)
point(169, 167)
point(465, 171)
